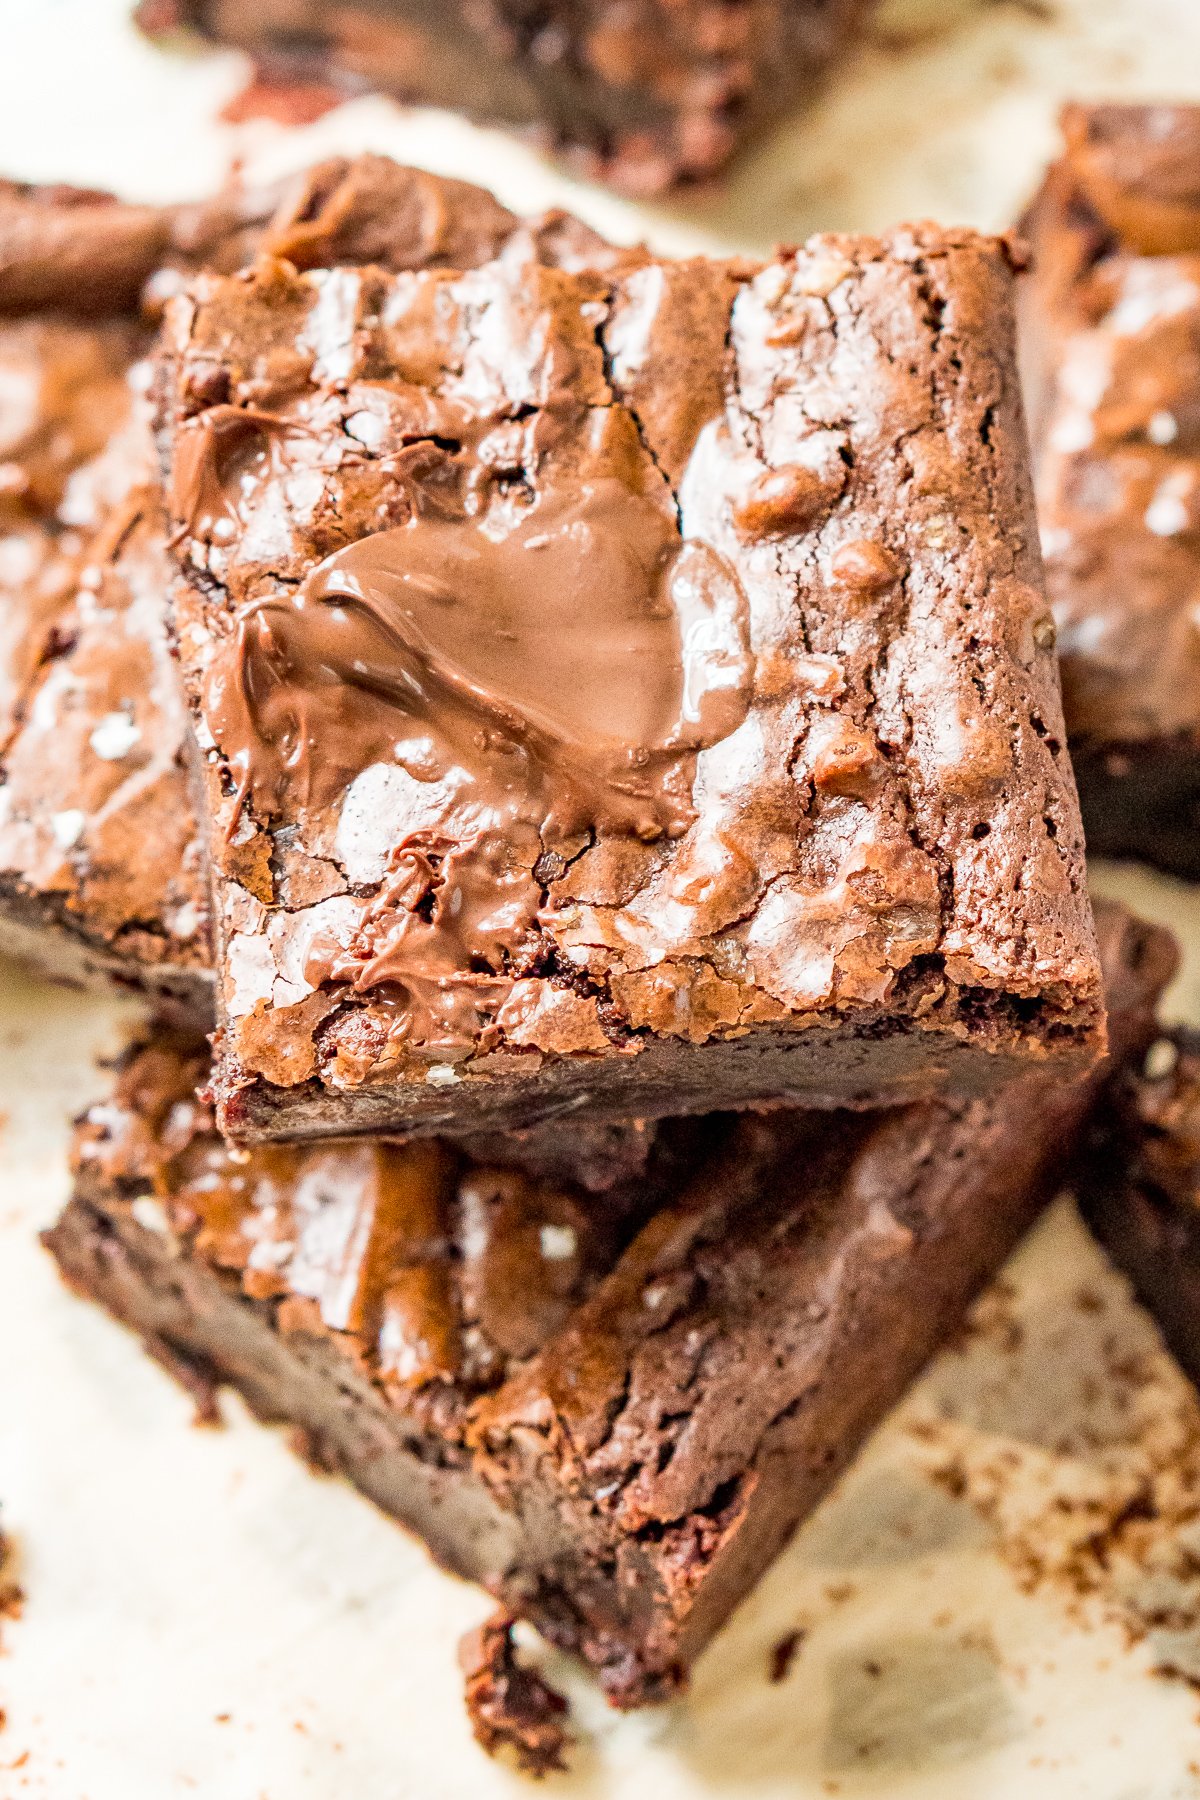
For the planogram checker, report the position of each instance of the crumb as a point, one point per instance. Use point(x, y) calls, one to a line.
point(282, 102)
point(783, 1654)
point(511, 1708)
point(837, 1592)
point(222, 1718)
point(12, 1598)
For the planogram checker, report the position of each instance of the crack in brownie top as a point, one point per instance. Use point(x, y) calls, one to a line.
point(449, 540)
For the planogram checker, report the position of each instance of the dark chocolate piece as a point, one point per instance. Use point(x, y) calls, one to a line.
point(778, 807)
point(641, 93)
point(1140, 1190)
point(615, 1433)
point(1112, 330)
point(100, 866)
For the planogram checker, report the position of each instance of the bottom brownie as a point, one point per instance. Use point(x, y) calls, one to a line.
point(1140, 1189)
point(1142, 801)
point(614, 1417)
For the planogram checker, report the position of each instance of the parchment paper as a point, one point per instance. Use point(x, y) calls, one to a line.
point(982, 1608)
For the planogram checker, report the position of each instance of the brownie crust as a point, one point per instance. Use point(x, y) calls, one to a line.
point(612, 1417)
point(642, 95)
point(1112, 348)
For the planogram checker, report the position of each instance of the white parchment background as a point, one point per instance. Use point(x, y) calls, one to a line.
point(204, 1617)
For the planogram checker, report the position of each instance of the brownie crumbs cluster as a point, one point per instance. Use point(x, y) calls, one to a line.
point(1095, 1498)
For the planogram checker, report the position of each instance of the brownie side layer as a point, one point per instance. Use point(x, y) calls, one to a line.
point(1112, 349)
point(1141, 1188)
point(100, 864)
point(870, 888)
point(643, 95)
point(615, 1433)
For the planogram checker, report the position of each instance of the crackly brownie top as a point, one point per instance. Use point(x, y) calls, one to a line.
point(64, 386)
point(1114, 320)
point(94, 807)
point(582, 654)
point(94, 815)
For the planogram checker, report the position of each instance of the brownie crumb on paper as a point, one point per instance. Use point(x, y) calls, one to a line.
point(512, 1710)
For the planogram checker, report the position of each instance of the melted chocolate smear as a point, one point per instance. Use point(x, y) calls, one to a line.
point(462, 693)
point(210, 457)
point(573, 650)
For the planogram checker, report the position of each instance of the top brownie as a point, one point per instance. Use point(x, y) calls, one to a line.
point(624, 691)
point(1113, 350)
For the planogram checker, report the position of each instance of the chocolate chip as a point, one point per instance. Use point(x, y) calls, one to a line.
point(781, 501)
point(865, 566)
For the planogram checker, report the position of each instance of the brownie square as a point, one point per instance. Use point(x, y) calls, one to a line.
point(622, 690)
point(641, 93)
point(100, 862)
point(615, 1415)
point(1112, 328)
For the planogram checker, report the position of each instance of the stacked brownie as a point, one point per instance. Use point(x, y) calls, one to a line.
point(612, 1410)
point(591, 723)
point(1113, 352)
